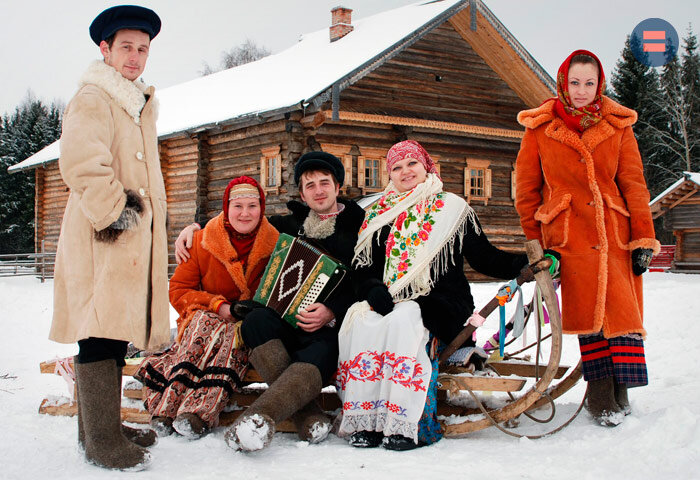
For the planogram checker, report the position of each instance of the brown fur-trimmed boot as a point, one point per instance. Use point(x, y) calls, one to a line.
point(601, 404)
point(621, 398)
point(296, 386)
point(143, 437)
point(100, 417)
point(312, 424)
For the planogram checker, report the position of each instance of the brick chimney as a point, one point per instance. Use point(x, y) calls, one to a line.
point(341, 24)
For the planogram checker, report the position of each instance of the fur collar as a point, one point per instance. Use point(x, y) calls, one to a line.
point(614, 113)
point(127, 94)
point(315, 227)
point(349, 219)
point(215, 240)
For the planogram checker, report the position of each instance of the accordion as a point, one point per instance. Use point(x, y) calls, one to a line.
point(296, 276)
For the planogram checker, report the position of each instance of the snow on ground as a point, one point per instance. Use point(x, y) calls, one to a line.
point(660, 440)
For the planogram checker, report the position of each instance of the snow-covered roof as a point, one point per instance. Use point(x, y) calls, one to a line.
point(693, 177)
point(293, 78)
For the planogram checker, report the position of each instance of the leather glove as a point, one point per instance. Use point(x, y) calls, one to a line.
point(555, 267)
point(241, 308)
point(380, 300)
point(641, 258)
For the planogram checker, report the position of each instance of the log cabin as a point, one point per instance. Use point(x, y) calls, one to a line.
point(447, 74)
point(681, 203)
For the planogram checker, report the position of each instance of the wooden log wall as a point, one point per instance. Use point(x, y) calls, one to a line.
point(440, 77)
point(51, 199)
point(235, 151)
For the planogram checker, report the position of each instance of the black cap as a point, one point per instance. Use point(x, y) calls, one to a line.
point(319, 161)
point(120, 17)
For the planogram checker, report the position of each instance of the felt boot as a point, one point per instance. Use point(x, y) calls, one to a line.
point(312, 424)
point(100, 412)
point(163, 426)
point(296, 386)
point(601, 404)
point(270, 359)
point(143, 437)
point(189, 425)
point(621, 398)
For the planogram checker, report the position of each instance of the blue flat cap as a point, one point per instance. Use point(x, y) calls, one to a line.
point(120, 17)
point(319, 161)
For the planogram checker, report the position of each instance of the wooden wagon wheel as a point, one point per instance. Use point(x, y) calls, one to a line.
point(537, 392)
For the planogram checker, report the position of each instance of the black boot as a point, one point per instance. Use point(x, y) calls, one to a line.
point(601, 402)
point(296, 386)
point(621, 398)
point(366, 439)
point(100, 417)
point(399, 443)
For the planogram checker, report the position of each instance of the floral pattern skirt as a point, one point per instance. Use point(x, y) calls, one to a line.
point(197, 375)
point(383, 370)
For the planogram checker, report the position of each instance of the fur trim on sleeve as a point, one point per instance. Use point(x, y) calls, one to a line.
point(128, 219)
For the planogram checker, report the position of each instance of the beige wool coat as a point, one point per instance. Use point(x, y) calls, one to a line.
point(116, 290)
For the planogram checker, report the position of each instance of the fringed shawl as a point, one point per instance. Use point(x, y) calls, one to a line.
point(425, 226)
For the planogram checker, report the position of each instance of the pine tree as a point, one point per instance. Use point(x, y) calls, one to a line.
point(635, 84)
point(30, 128)
point(690, 78)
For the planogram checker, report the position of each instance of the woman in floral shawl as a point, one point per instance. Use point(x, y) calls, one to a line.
point(409, 265)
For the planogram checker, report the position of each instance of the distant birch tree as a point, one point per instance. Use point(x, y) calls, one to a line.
point(246, 52)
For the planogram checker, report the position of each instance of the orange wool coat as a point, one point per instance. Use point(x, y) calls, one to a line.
point(214, 272)
point(586, 198)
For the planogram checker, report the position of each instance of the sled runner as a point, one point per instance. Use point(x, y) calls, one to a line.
point(540, 384)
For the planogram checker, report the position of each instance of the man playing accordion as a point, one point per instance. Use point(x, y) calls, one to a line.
point(297, 362)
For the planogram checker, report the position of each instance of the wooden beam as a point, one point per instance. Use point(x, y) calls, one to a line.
point(432, 124)
point(501, 57)
point(476, 383)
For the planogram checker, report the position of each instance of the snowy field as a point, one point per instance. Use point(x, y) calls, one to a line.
point(659, 440)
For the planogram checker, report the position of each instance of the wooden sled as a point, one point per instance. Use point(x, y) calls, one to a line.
point(510, 376)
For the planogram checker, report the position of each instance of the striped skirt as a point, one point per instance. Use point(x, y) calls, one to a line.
point(197, 375)
point(619, 357)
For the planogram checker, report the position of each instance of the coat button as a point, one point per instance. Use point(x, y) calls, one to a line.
point(139, 155)
point(142, 192)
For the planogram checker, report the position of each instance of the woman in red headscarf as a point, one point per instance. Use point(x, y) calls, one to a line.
point(409, 267)
point(189, 384)
point(580, 190)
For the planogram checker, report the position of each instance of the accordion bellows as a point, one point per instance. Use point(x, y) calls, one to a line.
point(297, 275)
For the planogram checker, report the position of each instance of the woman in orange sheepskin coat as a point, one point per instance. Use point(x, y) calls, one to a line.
point(580, 191)
point(189, 384)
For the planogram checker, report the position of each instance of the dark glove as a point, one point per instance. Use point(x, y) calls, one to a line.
point(641, 258)
point(555, 257)
point(380, 300)
point(241, 308)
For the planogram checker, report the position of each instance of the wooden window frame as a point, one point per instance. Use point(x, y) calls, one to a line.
point(271, 153)
point(512, 184)
point(343, 153)
point(477, 164)
point(372, 154)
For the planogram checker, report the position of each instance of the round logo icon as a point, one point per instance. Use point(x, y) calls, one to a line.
point(654, 42)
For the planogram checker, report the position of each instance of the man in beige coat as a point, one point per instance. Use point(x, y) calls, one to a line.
point(111, 277)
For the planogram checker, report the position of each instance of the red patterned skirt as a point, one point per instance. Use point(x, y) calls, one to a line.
point(197, 375)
